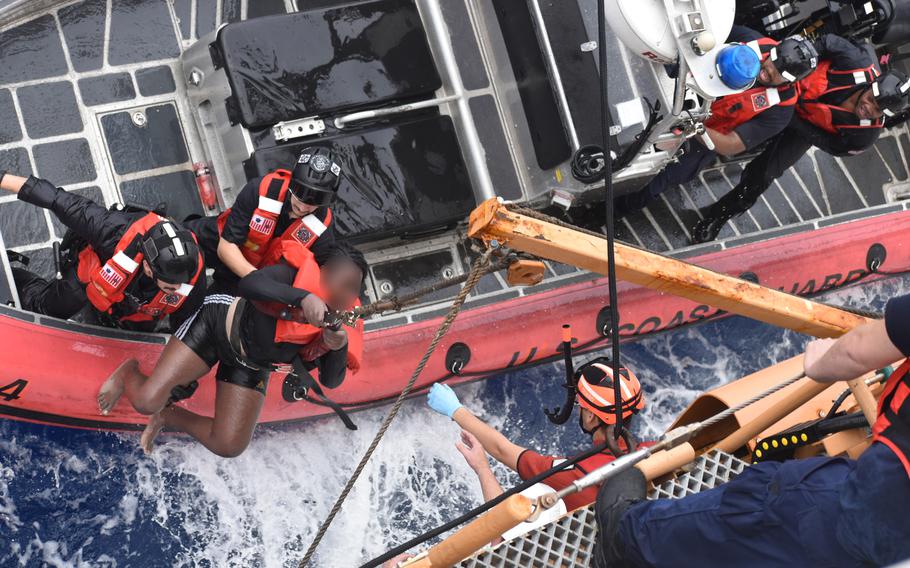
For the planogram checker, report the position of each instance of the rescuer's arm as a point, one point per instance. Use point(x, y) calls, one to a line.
point(86, 218)
point(861, 350)
point(10, 182)
point(726, 144)
point(236, 228)
point(443, 400)
point(233, 258)
point(274, 284)
point(474, 454)
point(843, 53)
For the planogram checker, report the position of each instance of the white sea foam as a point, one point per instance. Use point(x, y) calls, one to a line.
point(264, 507)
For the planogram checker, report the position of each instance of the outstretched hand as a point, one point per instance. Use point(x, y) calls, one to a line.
point(443, 399)
point(473, 452)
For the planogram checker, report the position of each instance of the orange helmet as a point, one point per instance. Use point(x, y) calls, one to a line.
point(595, 390)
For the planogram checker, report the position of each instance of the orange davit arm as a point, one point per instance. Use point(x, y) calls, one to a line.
point(493, 220)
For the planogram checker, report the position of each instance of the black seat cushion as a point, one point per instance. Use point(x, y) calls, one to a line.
point(326, 60)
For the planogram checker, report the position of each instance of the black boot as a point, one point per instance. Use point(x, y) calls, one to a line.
point(613, 500)
point(739, 200)
point(708, 228)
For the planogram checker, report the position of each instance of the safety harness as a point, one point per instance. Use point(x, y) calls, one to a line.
point(106, 284)
point(731, 111)
point(260, 243)
point(825, 81)
point(893, 425)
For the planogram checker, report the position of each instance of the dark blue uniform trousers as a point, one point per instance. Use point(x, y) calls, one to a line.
point(815, 512)
point(697, 158)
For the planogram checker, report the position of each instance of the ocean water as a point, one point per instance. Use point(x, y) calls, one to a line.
point(72, 498)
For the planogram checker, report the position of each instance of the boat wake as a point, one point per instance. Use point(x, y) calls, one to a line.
point(71, 498)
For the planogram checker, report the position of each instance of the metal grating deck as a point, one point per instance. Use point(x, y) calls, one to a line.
point(569, 541)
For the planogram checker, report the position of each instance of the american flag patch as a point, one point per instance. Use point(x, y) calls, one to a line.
point(111, 276)
point(262, 224)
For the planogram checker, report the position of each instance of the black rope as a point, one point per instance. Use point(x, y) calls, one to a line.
point(608, 205)
point(420, 539)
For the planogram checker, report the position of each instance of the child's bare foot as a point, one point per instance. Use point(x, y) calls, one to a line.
point(112, 389)
point(152, 429)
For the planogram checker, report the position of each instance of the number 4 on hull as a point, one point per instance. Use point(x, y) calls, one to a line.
point(12, 391)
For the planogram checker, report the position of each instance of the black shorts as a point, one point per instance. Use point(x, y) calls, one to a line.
point(206, 334)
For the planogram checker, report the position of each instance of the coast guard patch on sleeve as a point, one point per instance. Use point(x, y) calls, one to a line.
point(172, 299)
point(760, 101)
point(303, 234)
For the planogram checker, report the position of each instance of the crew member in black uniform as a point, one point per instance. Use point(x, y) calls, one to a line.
point(743, 121)
point(133, 268)
point(841, 110)
point(282, 209)
point(246, 337)
point(818, 511)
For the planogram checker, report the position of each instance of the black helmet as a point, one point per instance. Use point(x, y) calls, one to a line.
point(794, 58)
point(171, 252)
point(316, 177)
point(890, 91)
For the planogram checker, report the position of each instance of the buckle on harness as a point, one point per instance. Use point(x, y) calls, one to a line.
point(298, 385)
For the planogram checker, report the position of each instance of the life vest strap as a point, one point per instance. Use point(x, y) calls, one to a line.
point(297, 386)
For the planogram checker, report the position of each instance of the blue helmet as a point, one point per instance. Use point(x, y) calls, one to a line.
point(738, 66)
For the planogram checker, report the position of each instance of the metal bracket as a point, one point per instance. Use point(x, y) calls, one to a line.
point(300, 128)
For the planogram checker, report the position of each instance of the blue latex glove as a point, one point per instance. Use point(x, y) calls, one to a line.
point(443, 399)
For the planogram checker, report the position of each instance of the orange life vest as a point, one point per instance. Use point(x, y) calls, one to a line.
point(260, 241)
point(729, 112)
point(105, 285)
point(892, 427)
point(824, 81)
point(301, 234)
point(308, 336)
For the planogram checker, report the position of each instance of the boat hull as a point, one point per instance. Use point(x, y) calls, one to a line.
point(51, 370)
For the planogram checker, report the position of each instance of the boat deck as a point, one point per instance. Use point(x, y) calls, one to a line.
point(91, 98)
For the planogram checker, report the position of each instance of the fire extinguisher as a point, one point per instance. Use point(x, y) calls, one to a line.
point(205, 183)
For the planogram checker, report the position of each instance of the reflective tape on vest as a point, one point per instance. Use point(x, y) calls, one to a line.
point(756, 48)
point(314, 224)
point(271, 205)
point(125, 262)
point(773, 96)
point(859, 77)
